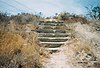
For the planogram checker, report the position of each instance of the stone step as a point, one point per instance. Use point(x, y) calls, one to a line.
point(51, 22)
point(52, 42)
point(52, 49)
point(53, 45)
point(50, 31)
point(50, 25)
point(53, 27)
point(53, 37)
point(54, 33)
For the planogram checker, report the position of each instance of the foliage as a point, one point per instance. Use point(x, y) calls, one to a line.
point(63, 15)
point(4, 16)
point(21, 18)
point(24, 17)
point(94, 12)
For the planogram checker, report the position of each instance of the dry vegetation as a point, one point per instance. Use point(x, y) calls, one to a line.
point(83, 51)
point(81, 55)
point(18, 46)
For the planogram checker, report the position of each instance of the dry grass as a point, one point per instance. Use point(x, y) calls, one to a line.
point(19, 49)
point(80, 53)
point(9, 42)
point(79, 46)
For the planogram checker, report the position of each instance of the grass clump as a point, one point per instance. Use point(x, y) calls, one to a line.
point(19, 49)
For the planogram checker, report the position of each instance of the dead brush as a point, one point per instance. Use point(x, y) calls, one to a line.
point(82, 54)
point(19, 51)
point(9, 42)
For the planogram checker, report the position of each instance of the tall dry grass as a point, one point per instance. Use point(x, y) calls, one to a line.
point(18, 48)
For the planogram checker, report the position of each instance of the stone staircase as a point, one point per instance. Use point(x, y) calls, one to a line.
point(52, 34)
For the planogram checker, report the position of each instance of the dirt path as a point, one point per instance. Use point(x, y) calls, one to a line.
point(58, 60)
point(66, 57)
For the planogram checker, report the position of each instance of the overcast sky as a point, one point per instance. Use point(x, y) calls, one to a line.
point(47, 7)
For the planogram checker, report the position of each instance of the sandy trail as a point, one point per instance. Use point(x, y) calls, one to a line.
point(58, 60)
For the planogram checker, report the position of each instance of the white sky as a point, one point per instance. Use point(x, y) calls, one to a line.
point(50, 7)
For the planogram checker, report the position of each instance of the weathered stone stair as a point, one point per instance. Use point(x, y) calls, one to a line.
point(52, 34)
